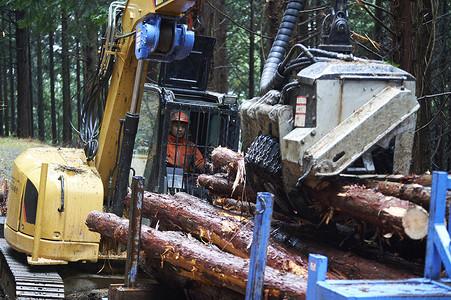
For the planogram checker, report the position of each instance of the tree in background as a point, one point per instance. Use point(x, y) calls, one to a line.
point(24, 117)
point(47, 66)
point(414, 35)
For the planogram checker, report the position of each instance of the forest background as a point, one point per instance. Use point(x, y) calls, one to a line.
point(50, 50)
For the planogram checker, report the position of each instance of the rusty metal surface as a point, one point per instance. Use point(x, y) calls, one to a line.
point(22, 281)
point(134, 231)
point(121, 292)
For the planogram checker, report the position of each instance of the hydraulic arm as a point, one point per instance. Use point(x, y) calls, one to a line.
point(158, 36)
point(53, 190)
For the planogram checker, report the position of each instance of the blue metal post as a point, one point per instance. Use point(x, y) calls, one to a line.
point(438, 243)
point(317, 268)
point(262, 226)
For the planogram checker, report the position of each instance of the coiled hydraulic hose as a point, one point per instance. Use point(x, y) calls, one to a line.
point(270, 77)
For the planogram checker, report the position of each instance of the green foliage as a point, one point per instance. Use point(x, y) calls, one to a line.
point(238, 42)
point(391, 63)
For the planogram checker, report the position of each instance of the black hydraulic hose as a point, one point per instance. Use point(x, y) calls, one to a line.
point(301, 64)
point(270, 77)
point(305, 51)
point(337, 55)
point(125, 161)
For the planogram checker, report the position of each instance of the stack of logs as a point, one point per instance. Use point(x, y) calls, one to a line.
point(192, 240)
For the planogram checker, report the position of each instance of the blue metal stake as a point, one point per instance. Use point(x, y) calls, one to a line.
point(317, 268)
point(262, 226)
point(438, 243)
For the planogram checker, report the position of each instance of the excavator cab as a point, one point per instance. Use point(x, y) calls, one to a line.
point(211, 120)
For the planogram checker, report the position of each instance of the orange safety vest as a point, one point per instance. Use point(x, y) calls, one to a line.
point(178, 149)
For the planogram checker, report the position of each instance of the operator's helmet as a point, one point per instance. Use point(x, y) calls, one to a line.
point(179, 116)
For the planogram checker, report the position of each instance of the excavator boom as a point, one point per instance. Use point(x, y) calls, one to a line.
point(54, 189)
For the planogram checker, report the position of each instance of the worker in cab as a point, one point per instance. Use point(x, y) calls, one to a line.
point(182, 153)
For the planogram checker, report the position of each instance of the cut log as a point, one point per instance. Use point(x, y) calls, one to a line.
point(187, 216)
point(232, 162)
point(181, 287)
point(230, 232)
point(198, 260)
point(364, 205)
point(228, 159)
point(424, 180)
point(346, 264)
point(373, 208)
point(235, 205)
point(222, 187)
point(413, 192)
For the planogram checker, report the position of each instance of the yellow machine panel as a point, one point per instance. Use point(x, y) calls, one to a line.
point(73, 189)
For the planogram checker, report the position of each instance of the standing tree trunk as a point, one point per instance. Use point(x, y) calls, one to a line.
point(414, 42)
point(5, 93)
point(23, 84)
point(4, 63)
point(77, 68)
point(40, 90)
point(30, 70)
point(274, 11)
point(251, 51)
point(377, 25)
point(220, 55)
point(67, 110)
point(52, 88)
point(11, 84)
point(90, 56)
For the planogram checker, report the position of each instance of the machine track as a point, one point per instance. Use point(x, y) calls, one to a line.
point(19, 280)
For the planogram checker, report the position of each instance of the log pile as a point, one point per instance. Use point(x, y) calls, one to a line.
point(199, 261)
point(383, 204)
point(210, 244)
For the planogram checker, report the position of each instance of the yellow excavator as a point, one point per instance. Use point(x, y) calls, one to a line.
point(52, 190)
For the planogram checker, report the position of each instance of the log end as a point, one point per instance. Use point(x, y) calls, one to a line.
point(415, 222)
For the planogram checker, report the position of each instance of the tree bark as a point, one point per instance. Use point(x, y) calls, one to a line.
point(228, 159)
point(65, 74)
point(197, 260)
point(6, 101)
point(31, 90)
point(390, 214)
point(413, 45)
point(415, 193)
point(52, 88)
point(12, 105)
point(90, 56)
point(424, 180)
point(346, 264)
point(233, 233)
point(377, 25)
point(78, 79)
point(220, 62)
point(223, 187)
point(23, 84)
point(251, 75)
point(41, 108)
point(229, 232)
